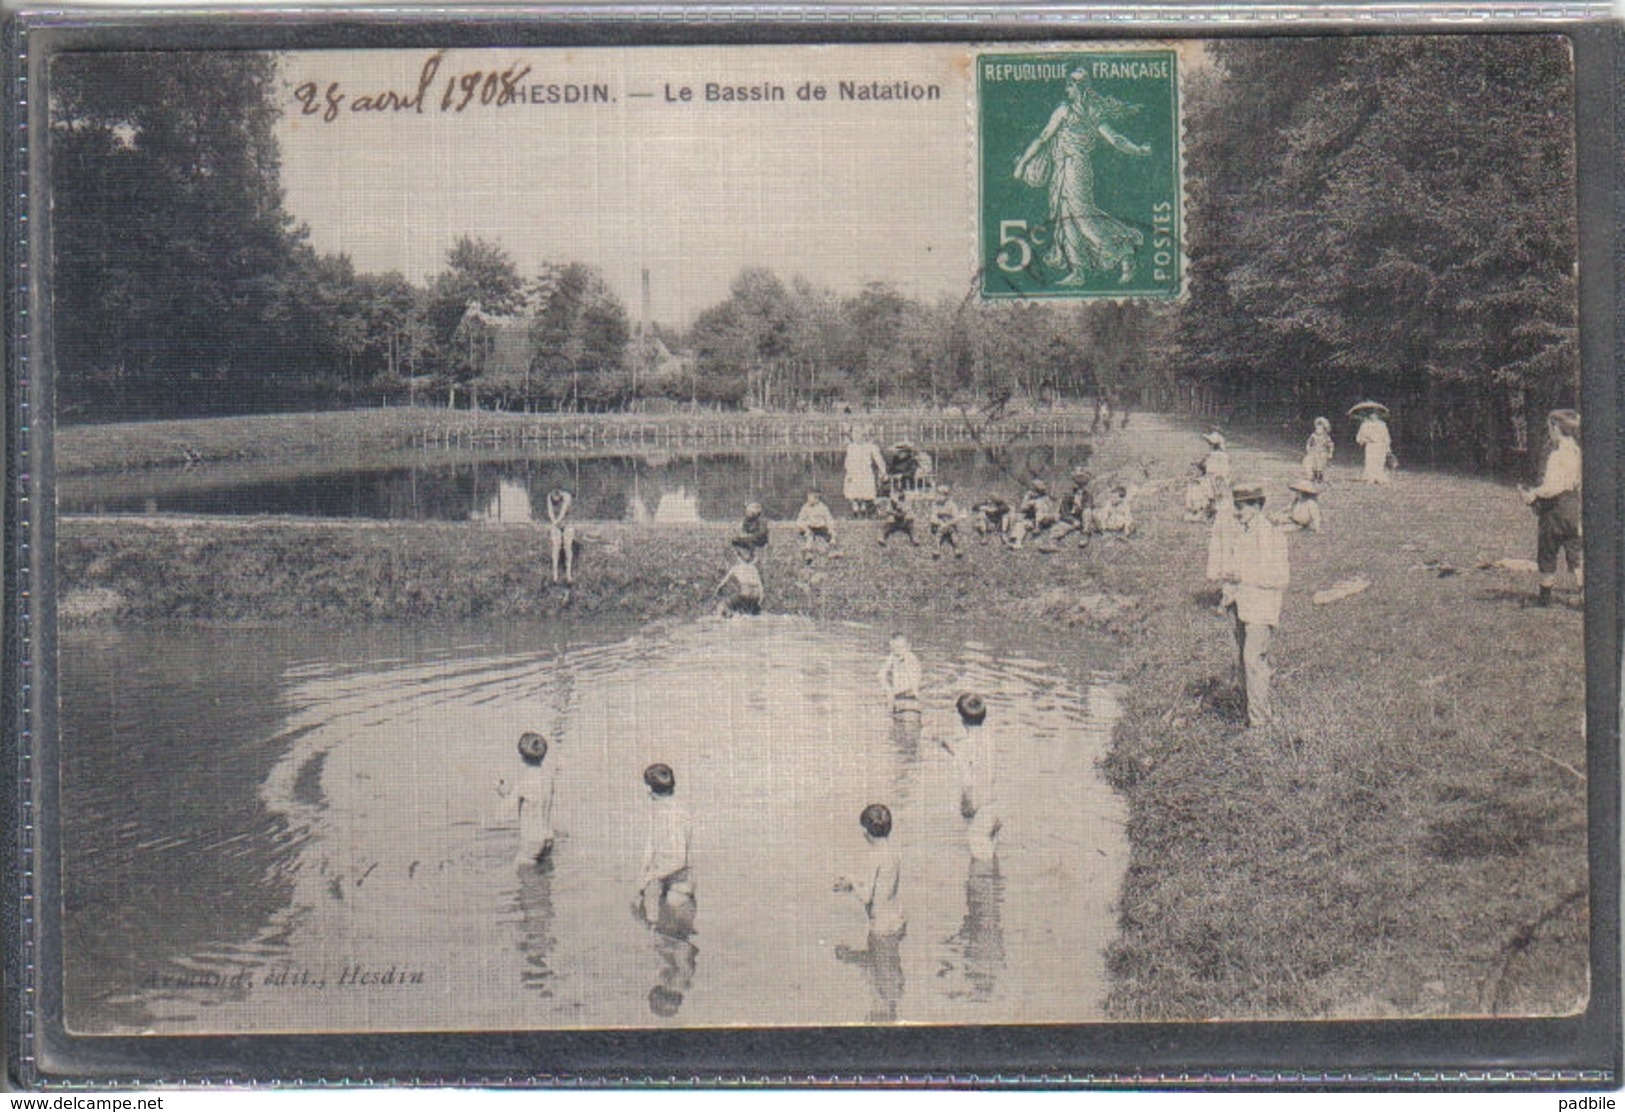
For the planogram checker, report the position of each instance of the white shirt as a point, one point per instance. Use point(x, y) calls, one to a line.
point(1257, 557)
point(666, 855)
point(815, 515)
point(900, 675)
point(876, 887)
point(1562, 470)
point(534, 789)
point(973, 758)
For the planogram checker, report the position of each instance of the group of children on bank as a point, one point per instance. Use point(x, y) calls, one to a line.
point(1042, 518)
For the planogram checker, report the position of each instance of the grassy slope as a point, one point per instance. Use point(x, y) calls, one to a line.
point(1408, 840)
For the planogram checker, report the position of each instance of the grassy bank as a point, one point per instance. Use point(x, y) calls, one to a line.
point(1409, 839)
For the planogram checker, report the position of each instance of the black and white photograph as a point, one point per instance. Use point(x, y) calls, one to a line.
point(796, 536)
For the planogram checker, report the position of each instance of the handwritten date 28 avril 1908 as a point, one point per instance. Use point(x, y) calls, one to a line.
point(458, 91)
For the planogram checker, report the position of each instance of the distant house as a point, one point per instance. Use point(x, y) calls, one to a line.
point(499, 343)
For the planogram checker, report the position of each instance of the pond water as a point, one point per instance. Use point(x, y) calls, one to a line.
point(274, 831)
point(652, 488)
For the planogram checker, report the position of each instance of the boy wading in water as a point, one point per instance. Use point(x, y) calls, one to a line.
point(533, 799)
point(900, 677)
point(741, 589)
point(665, 887)
point(973, 759)
point(876, 884)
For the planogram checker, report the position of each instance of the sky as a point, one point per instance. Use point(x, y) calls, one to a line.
point(839, 192)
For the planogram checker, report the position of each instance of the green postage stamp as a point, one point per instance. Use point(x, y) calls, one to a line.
point(1080, 174)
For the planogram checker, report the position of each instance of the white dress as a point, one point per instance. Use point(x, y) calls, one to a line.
point(1373, 436)
point(864, 466)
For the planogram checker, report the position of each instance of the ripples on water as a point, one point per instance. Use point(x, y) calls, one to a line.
point(310, 811)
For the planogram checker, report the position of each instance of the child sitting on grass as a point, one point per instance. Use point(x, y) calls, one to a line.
point(897, 516)
point(815, 524)
point(1116, 517)
point(945, 519)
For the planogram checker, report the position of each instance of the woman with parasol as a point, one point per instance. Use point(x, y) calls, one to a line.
point(1373, 437)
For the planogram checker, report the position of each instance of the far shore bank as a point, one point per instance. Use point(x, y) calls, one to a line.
point(1409, 840)
point(361, 437)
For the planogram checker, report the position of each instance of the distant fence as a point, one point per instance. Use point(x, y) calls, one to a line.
point(740, 431)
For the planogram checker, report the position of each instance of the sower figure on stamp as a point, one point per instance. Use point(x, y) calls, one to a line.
point(1253, 568)
point(1087, 239)
point(561, 538)
point(1556, 502)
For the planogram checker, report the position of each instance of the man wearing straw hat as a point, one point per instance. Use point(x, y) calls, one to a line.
point(1556, 502)
point(1253, 568)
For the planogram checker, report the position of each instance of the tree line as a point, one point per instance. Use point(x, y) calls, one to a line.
point(1384, 216)
point(1389, 217)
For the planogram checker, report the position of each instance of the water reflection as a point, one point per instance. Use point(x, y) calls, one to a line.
point(677, 507)
point(906, 727)
point(673, 932)
point(644, 489)
point(882, 963)
point(976, 949)
point(509, 504)
point(533, 899)
point(350, 818)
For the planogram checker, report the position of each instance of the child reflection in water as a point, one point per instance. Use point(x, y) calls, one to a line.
point(876, 884)
point(905, 741)
point(979, 942)
point(536, 940)
point(678, 956)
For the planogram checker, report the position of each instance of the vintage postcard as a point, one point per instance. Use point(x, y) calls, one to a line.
point(627, 537)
